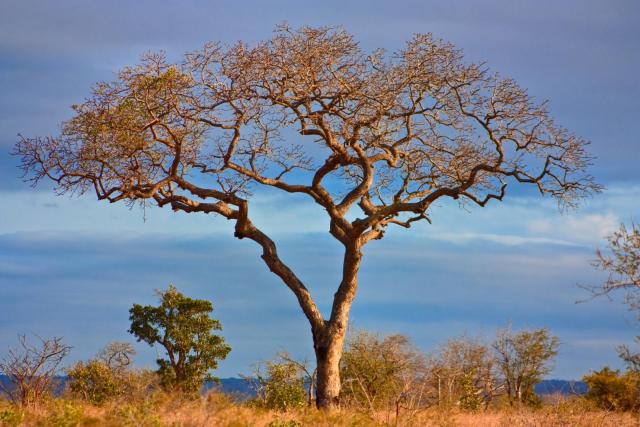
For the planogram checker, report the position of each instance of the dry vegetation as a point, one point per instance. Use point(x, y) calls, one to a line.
point(216, 409)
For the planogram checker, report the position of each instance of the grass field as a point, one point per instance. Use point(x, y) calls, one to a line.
point(216, 409)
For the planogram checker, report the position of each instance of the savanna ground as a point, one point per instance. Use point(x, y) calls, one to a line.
point(217, 409)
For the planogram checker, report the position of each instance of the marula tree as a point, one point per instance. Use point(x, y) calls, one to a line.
point(374, 139)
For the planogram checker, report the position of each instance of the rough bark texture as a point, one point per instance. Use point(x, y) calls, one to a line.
point(378, 137)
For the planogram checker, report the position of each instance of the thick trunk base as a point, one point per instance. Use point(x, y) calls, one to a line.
point(328, 379)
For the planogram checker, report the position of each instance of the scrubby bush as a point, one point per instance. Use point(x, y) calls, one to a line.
point(382, 373)
point(31, 369)
point(612, 390)
point(135, 415)
point(463, 373)
point(109, 377)
point(94, 381)
point(280, 384)
point(65, 414)
point(11, 416)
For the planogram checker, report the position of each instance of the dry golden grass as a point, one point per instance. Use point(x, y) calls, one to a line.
point(218, 410)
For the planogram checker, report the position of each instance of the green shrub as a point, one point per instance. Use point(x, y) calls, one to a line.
point(470, 399)
point(142, 414)
point(11, 416)
point(65, 414)
point(95, 382)
point(282, 386)
point(98, 382)
point(611, 390)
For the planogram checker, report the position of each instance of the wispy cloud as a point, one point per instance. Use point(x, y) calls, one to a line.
point(504, 239)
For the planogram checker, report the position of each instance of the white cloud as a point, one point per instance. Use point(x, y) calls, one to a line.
point(503, 239)
point(525, 220)
point(578, 229)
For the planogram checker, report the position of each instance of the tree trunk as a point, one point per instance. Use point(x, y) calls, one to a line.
point(329, 343)
point(328, 354)
point(328, 335)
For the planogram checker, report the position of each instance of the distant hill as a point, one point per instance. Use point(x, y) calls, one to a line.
point(561, 386)
point(240, 388)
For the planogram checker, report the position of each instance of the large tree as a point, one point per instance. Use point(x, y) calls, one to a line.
point(373, 138)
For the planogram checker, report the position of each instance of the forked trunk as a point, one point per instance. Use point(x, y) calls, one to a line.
point(328, 335)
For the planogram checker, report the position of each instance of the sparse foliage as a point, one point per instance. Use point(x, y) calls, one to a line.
point(523, 359)
point(31, 369)
point(621, 261)
point(463, 372)
point(117, 355)
point(183, 327)
point(382, 139)
point(382, 373)
point(631, 358)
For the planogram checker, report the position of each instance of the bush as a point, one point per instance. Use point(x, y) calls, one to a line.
point(382, 373)
point(108, 376)
point(462, 372)
point(470, 399)
point(11, 417)
point(65, 414)
point(95, 382)
point(611, 390)
point(282, 386)
point(138, 415)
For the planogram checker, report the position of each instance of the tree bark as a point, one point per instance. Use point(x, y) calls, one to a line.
point(328, 351)
point(329, 344)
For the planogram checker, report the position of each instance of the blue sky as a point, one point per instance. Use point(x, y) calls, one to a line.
point(72, 266)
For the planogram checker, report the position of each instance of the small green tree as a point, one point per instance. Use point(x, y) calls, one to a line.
point(523, 359)
point(182, 326)
point(612, 390)
point(470, 399)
